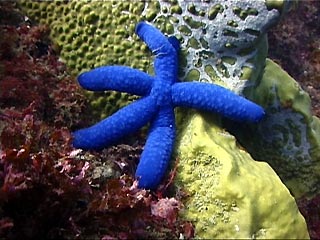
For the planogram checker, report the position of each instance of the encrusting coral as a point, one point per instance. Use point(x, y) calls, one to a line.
point(161, 94)
point(216, 38)
point(230, 194)
point(288, 138)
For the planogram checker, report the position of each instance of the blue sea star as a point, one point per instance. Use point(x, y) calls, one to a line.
point(161, 94)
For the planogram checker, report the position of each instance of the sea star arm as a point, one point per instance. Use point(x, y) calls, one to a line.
point(125, 121)
point(165, 50)
point(117, 78)
point(175, 43)
point(211, 97)
point(156, 155)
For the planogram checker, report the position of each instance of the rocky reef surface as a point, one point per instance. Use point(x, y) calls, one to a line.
point(224, 43)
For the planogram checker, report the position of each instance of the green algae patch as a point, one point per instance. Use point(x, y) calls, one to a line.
point(230, 194)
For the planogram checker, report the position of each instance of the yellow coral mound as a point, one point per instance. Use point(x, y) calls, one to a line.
point(231, 195)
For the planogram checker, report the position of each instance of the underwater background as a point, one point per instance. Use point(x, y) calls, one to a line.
point(48, 189)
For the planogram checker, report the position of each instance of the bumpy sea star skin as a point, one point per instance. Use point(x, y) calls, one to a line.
point(160, 94)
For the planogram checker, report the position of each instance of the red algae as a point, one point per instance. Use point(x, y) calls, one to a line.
point(47, 188)
point(310, 209)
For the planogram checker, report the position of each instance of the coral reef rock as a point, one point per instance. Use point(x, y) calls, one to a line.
point(223, 42)
point(219, 39)
point(288, 137)
point(230, 194)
